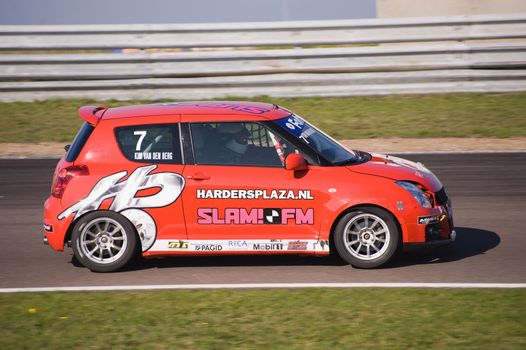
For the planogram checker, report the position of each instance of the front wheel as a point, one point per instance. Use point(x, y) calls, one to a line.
point(103, 241)
point(367, 237)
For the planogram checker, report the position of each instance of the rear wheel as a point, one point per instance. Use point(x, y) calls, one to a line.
point(367, 237)
point(104, 241)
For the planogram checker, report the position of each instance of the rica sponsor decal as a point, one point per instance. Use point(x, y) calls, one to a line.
point(255, 216)
point(238, 244)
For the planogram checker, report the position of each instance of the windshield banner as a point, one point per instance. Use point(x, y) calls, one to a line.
point(296, 126)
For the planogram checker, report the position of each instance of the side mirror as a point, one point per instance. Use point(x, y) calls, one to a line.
point(66, 147)
point(295, 162)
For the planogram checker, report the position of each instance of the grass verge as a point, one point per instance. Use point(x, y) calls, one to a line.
point(277, 319)
point(447, 115)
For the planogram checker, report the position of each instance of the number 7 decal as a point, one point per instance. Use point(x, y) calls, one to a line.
point(142, 134)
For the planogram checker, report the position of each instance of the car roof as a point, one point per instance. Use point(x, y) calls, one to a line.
point(255, 109)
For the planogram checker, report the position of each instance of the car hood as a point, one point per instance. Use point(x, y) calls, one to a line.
point(398, 169)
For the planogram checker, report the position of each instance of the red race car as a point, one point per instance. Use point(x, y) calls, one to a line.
point(204, 178)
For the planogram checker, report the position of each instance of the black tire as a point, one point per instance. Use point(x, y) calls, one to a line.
point(109, 236)
point(366, 249)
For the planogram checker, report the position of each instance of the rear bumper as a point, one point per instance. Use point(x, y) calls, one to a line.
point(55, 230)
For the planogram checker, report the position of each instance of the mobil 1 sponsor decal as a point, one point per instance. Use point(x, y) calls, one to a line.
point(255, 216)
point(266, 246)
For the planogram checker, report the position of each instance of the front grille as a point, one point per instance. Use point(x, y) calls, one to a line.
point(441, 197)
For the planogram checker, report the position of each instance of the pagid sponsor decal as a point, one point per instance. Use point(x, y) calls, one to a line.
point(208, 247)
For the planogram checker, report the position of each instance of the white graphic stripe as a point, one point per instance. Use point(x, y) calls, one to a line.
point(241, 245)
point(264, 286)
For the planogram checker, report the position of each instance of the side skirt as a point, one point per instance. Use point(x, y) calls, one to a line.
point(258, 246)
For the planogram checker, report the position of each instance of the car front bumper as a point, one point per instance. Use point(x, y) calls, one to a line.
point(417, 246)
point(429, 226)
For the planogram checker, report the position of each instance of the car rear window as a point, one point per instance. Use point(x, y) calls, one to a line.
point(80, 140)
point(150, 143)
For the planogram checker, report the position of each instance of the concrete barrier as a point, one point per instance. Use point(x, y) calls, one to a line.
point(444, 54)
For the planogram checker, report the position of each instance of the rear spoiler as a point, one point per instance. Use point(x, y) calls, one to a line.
point(92, 114)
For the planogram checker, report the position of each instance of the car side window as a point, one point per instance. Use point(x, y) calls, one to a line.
point(238, 143)
point(150, 143)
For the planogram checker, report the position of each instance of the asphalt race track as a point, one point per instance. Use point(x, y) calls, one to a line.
point(489, 200)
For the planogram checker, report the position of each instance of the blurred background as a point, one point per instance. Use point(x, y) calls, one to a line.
point(170, 11)
point(206, 49)
point(350, 66)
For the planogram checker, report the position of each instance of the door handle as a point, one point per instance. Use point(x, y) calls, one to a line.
point(199, 176)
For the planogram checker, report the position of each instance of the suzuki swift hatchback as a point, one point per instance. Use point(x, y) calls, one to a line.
point(204, 178)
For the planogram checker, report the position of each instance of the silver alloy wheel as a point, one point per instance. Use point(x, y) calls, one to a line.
point(103, 240)
point(366, 236)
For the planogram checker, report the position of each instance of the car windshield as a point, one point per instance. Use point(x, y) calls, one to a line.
point(321, 143)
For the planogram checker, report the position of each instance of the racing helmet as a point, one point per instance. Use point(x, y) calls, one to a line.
point(236, 136)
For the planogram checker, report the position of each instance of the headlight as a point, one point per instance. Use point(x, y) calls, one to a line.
point(416, 192)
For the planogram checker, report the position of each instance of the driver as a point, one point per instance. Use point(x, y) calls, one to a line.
point(235, 142)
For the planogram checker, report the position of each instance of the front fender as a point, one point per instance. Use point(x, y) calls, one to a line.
point(369, 190)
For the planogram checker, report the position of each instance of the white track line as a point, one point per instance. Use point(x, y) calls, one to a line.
point(263, 285)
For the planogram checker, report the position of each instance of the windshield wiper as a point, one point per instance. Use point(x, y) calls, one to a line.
point(361, 157)
point(351, 160)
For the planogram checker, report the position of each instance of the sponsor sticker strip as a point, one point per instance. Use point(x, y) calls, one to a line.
point(258, 245)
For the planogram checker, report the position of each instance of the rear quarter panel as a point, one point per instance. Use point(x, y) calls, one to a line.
point(102, 156)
